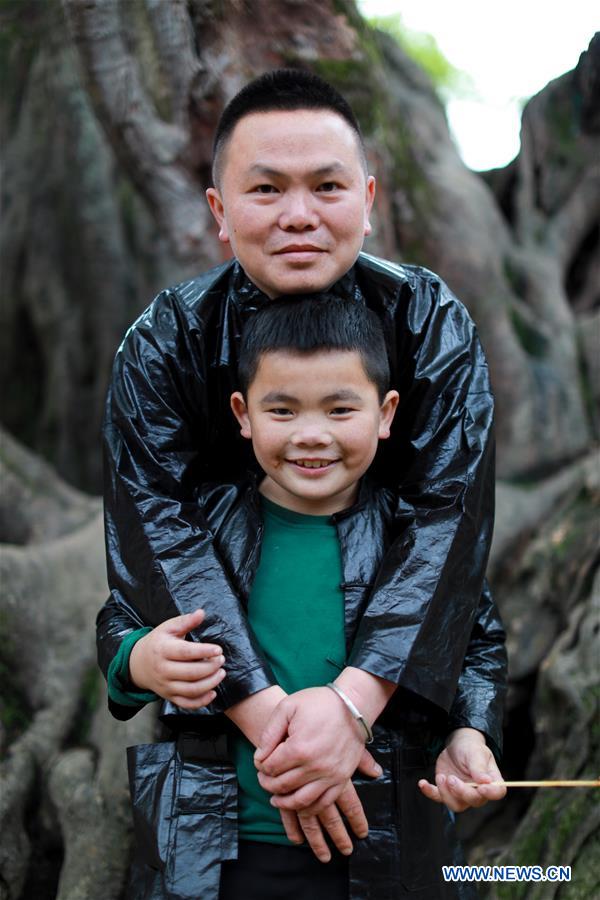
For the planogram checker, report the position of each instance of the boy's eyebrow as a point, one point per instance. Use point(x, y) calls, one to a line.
point(278, 397)
point(344, 394)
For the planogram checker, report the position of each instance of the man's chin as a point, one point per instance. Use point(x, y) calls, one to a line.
point(305, 283)
point(300, 281)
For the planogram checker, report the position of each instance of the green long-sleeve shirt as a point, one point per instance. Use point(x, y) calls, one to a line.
point(296, 610)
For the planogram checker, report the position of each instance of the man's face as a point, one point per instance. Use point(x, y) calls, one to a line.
point(294, 199)
point(315, 421)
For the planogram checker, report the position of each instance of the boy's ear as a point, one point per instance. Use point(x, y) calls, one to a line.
point(240, 411)
point(387, 412)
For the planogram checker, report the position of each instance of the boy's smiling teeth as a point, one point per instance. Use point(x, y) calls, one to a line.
point(313, 463)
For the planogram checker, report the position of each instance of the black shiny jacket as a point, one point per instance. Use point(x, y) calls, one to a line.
point(427, 621)
point(185, 791)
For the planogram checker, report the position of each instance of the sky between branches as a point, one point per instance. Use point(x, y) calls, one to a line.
point(510, 51)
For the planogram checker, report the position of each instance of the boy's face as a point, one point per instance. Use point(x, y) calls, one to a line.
point(293, 200)
point(314, 420)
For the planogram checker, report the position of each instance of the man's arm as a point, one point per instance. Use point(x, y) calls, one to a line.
point(312, 744)
point(475, 717)
point(160, 554)
point(440, 461)
point(163, 662)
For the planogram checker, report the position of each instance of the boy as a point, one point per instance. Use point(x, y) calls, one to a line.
point(303, 545)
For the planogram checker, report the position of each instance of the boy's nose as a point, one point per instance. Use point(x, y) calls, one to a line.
point(311, 436)
point(298, 213)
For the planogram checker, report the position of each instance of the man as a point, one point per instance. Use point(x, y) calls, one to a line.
point(292, 197)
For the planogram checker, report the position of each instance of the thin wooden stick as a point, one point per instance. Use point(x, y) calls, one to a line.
point(541, 784)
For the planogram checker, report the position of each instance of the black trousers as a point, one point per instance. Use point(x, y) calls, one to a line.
point(277, 872)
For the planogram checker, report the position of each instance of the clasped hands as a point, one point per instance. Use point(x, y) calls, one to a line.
point(308, 745)
point(311, 747)
point(306, 757)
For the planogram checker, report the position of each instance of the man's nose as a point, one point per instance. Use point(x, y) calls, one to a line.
point(299, 212)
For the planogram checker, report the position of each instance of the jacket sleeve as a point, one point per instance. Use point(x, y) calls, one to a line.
point(422, 610)
point(160, 555)
point(479, 698)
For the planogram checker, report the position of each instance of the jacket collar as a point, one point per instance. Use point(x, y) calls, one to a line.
point(249, 298)
point(368, 493)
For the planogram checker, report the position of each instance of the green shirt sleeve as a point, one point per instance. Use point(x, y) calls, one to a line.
point(120, 688)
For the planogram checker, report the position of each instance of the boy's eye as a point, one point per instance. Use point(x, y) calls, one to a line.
point(280, 411)
point(342, 411)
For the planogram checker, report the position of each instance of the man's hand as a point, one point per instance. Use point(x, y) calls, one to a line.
point(310, 826)
point(466, 758)
point(184, 672)
point(324, 748)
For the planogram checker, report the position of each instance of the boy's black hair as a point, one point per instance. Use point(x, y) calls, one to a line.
point(308, 323)
point(284, 90)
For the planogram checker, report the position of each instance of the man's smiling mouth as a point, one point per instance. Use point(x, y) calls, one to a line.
point(299, 248)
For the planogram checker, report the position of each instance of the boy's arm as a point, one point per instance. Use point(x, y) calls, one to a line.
point(479, 699)
point(474, 742)
point(166, 664)
point(466, 759)
point(160, 553)
point(142, 664)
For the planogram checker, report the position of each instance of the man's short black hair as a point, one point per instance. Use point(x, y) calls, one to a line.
point(281, 90)
point(308, 323)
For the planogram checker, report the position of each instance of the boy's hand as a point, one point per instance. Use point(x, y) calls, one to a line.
point(323, 749)
point(466, 758)
point(184, 672)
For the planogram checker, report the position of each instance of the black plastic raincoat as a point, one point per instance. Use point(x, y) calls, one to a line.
point(425, 618)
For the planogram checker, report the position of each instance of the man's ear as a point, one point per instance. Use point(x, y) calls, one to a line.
point(217, 208)
point(369, 198)
point(387, 412)
point(240, 411)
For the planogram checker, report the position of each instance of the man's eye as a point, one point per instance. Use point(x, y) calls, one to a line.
point(328, 187)
point(265, 189)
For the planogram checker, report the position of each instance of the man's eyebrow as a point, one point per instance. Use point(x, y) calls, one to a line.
point(330, 169)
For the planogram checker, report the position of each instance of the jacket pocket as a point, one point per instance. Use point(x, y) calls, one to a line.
point(152, 785)
point(427, 839)
point(184, 798)
point(205, 830)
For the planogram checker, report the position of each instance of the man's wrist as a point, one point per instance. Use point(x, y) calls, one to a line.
point(354, 712)
point(369, 693)
point(252, 714)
